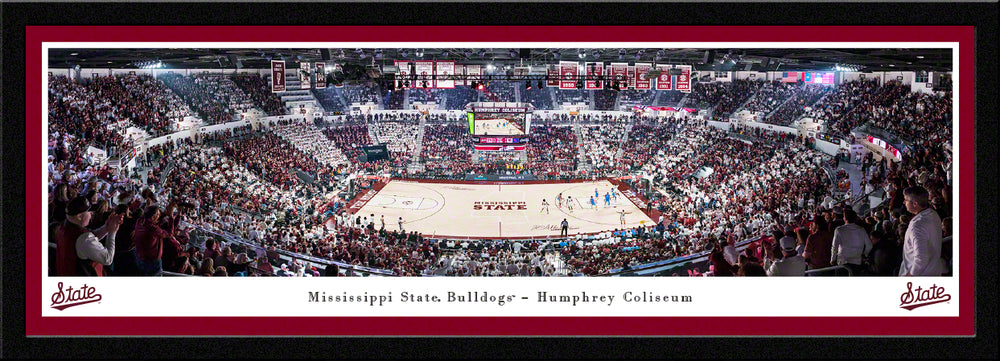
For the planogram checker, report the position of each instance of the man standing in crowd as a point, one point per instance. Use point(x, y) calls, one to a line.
point(80, 252)
point(850, 243)
point(791, 264)
point(922, 242)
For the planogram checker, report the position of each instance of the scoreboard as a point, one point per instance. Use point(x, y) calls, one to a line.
point(498, 140)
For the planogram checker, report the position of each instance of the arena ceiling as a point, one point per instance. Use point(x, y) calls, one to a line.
point(726, 59)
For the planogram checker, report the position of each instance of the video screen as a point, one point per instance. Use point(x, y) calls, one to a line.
point(497, 124)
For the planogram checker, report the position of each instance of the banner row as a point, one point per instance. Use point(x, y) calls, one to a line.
point(433, 74)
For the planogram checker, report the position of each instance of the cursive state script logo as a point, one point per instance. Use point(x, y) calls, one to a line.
point(921, 297)
point(70, 297)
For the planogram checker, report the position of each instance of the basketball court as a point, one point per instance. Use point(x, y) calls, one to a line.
point(456, 209)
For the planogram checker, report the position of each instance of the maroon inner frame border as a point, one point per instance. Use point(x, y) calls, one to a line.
point(369, 326)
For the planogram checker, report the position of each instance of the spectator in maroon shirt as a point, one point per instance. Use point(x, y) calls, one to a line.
point(148, 238)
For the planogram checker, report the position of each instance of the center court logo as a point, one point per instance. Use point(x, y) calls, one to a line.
point(500, 206)
point(921, 297)
point(70, 297)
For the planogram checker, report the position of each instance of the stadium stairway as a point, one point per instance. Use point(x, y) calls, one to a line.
point(552, 93)
point(581, 157)
point(768, 116)
point(680, 104)
point(294, 95)
point(419, 145)
point(744, 105)
point(623, 140)
point(656, 98)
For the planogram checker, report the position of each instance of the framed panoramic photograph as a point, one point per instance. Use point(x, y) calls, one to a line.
point(495, 180)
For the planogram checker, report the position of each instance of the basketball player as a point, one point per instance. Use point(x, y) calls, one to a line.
point(545, 207)
point(596, 194)
point(623, 216)
point(400, 224)
point(569, 203)
point(607, 199)
point(614, 196)
point(559, 200)
point(593, 203)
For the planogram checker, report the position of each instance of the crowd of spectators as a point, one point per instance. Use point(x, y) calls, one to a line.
point(460, 96)
point(362, 94)
point(311, 141)
point(273, 159)
point(541, 98)
point(394, 99)
point(260, 94)
point(670, 97)
point(553, 150)
point(204, 95)
point(602, 139)
point(427, 95)
point(446, 146)
point(79, 116)
point(645, 139)
point(605, 99)
point(634, 97)
point(349, 138)
point(802, 99)
point(916, 116)
point(734, 95)
point(399, 134)
point(329, 98)
point(771, 95)
point(500, 91)
point(495, 259)
point(572, 96)
point(846, 97)
point(883, 96)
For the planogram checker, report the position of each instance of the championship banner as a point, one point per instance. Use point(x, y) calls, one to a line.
point(460, 70)
point(553, 73)
point(473, 72)
point(320, 75)
point(304, 72)
point(684, 80)
point(642, 82)
point(424, 70)
point(663, 81)
point(619, 70)
point(631, 77)
point(277, 76)
point(404, 70)
point(593, 70)
point(568, 73)
point(443, 70)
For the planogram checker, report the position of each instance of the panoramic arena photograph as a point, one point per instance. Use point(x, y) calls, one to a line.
point(517, 161)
